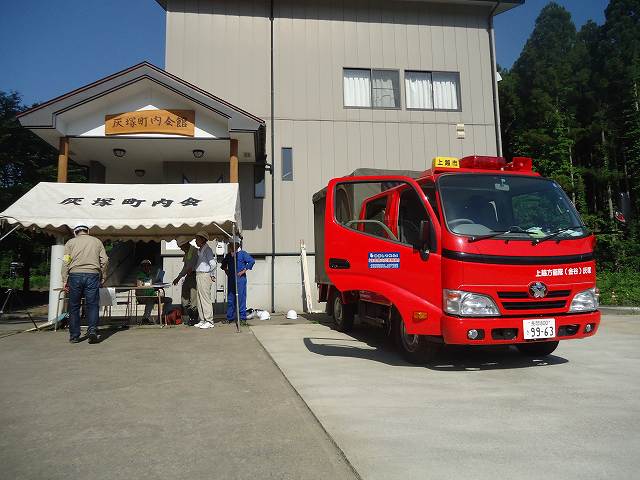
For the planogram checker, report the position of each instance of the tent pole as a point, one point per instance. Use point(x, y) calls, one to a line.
point(9, 233)
point(222, 230)
point(235, 279)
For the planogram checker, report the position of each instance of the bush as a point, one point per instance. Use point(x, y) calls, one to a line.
point(36, 282)
point(619, 288)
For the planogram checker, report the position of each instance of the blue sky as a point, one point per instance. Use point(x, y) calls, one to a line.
point(514, 27)
point(50, 47)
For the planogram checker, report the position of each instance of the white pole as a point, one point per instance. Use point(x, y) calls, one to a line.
point(55, 276)
point(235, 277)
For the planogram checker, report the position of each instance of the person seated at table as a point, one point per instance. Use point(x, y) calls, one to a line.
point(147, 296)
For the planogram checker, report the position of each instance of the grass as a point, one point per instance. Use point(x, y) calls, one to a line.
point(619, 288)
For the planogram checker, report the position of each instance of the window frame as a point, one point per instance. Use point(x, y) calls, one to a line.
point(433, 109)
point(372, 107)
point(282, 175)
point(427, 217)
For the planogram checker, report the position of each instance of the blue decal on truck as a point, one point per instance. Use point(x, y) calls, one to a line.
point(384, 259)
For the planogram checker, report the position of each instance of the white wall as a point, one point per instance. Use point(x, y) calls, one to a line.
point(223, 46)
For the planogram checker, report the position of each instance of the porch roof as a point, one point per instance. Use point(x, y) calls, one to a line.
point(82, 113)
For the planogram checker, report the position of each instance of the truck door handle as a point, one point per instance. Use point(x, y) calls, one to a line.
point(339, 264)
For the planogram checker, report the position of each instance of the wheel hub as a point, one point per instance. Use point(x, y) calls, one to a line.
point(410, 341)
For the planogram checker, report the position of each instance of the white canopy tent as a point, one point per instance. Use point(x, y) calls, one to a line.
point(130, 212)
point(126, 212)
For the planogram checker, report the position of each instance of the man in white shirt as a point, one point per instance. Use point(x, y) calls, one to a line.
point(205, 275)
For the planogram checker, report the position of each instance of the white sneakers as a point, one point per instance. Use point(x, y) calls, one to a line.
point(205, 325)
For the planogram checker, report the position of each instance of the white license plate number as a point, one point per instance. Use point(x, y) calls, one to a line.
point(539, 328)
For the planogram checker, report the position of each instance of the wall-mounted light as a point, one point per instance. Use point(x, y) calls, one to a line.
point(140, 172)
point(197, 153)
point(119, 152)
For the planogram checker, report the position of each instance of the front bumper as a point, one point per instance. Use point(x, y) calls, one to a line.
point(502, 330)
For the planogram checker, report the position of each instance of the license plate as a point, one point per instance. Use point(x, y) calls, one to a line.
point(539, 328)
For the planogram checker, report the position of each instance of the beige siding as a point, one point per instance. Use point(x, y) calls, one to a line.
point(223, 46)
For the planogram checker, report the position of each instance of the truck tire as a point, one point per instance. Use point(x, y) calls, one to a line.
point(343, 314)
point(415, 349)
point(541, 349)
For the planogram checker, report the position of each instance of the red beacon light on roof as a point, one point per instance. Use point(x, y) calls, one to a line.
point(496, 163)
point(483, 162)
point(520, 164)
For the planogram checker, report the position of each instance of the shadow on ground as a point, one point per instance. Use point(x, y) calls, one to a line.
point(379, 348)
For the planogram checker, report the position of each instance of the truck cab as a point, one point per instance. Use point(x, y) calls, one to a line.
point(474, 251)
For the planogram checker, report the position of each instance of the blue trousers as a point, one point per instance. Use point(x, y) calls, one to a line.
point(242, 298)
point(85, 285)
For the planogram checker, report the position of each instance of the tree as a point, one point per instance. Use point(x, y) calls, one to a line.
point(621, 45)
point(539, 80)
point(25, 160)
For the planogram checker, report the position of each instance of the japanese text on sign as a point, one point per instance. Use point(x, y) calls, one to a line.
point(173, 122)
point(133, 202)
point(561, 272)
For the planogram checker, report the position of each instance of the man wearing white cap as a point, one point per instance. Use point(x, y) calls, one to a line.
point(205, 275)
point(84, 267)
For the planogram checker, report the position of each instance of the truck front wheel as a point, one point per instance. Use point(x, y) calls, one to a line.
point(415, 349)
point(343, 314)
point(541, 349)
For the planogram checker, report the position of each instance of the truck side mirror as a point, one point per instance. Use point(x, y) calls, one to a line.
point(425, 239)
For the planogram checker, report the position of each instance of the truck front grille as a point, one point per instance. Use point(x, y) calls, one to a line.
point(525, 302)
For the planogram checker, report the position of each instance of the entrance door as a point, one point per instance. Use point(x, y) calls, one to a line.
point(380, 239)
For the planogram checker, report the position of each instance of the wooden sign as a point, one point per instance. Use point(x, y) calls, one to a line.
point(172, 122)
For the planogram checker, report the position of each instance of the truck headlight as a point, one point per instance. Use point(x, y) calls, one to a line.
point(468, 304)
point(585, 301)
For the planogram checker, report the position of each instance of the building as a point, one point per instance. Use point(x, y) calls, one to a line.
point(331, 86)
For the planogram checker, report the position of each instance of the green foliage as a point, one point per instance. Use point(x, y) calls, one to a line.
point(619, 288)
point(572, 102)
point(25, 160)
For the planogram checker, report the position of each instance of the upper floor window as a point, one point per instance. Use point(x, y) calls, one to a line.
point(432, 90)
point(370, 88)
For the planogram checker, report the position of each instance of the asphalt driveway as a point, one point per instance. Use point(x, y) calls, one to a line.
point(481, 414)
point(155, 404)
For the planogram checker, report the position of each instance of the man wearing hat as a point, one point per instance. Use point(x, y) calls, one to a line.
point(84, 268)
point(243, 262)
point(205, 275)
point(146, 296)
point(189, 287)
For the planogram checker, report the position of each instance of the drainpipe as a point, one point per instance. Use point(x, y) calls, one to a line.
point(273, 185)
point(494, 80)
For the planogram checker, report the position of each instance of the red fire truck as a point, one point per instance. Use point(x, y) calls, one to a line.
point(474, 251)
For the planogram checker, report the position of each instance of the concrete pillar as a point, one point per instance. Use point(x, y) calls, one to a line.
point(55, 276)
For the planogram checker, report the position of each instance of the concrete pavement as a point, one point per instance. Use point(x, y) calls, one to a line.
point(480, 414)
point(155, 404)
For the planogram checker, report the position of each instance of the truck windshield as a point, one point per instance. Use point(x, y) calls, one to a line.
point(508, 206)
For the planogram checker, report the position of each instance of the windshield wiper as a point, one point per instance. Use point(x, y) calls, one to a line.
point(516, 229)
point(555, 234)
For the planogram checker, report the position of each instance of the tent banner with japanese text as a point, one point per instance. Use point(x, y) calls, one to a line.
point(129, 211)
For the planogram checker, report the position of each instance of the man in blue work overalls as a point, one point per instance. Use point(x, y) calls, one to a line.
point(243, 262)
